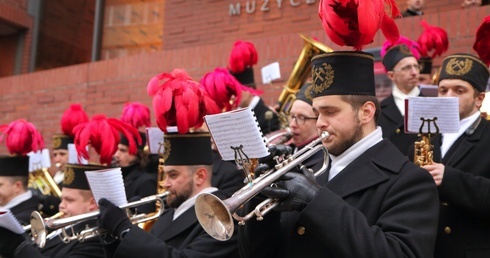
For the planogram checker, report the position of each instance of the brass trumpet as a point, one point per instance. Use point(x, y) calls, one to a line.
point(39, 225)
point(215, 215)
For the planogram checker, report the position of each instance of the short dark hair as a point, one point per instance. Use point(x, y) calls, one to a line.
point(356, 101)
point(23, 180)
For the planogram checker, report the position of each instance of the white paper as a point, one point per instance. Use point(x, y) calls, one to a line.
point(8, 221)
point(155, 140)
point(73, 155)
point(109, 184)
point(445, 109)
point(35, 161)
point(270, 72)
point(237, 128)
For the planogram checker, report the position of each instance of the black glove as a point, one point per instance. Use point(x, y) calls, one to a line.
point(112, 218)
point(295, 190)
point(9, 241)
point(275, 151)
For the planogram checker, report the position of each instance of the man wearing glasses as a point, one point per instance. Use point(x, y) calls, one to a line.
point(403, 70)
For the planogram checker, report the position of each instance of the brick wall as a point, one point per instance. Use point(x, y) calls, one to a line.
point(103, 87)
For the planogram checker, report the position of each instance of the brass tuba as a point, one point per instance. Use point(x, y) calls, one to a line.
point(41, 179)
point(300, 73)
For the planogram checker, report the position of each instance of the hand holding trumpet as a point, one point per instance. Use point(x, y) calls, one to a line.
point(112, 218)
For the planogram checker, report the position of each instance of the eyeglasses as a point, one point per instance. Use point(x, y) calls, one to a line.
point(300, 120)
point(409, 68)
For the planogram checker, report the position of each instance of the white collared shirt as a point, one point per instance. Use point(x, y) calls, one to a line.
point(400, 97)
point(449, 138)
point(18, 199)
point(338, 163)
point(191, 201)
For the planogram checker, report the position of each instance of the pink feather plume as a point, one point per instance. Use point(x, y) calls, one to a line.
point(412, 45)
point(242, 55)
point(103, 135)
point(73, 116)
point(482, 42)
point(179, 101)
point(136, 114)
point(222, 87)
point(21, 137)
point(355, 22)
point(433, 41)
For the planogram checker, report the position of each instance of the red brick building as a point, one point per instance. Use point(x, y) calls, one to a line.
point(141, 38)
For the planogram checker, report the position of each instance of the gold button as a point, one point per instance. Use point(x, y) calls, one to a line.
point(444, 204)
point(301, 230)
point(397, 131)
point(447, 230)
point(51, 206)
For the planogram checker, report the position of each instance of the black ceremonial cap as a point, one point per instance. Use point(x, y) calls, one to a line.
point(465, 67)
point(425, 65)
point(61, 141)
point(394, 55)
point(124, 141)
point(14, 166)
point(187, 149)
point(343, 73)
point(246, 77)
point(75, 175)
point(304, 93)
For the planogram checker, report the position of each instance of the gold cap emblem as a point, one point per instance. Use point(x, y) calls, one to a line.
point(56, 142)
point(459, 67)
point(322, 77)
point(166, 149)
point(308, 92)
point(69, 176)
point(405, 50)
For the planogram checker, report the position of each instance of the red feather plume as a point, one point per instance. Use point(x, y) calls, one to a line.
point(21, 137)
point(412, 45)
point(222, 87)
point(136, 114)
point(433, 39)
point(482, 41)
point(73, 116)
point(242, 55)
point(179, 101)
point(103, 135)
point(355, 22)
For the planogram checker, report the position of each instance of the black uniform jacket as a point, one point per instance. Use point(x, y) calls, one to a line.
point(90, 248)
point(183, 237)
point(138, 182)
point(391, 121)
point(464, 222)
point(22, 211)
point(380, 205)
point(226, 176)
point(266, 126)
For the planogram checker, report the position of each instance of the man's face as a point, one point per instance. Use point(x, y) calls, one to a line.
point(468, 103)
point(405, 74)
point(425, 79)
point(8, 189)
point(179, 181)
point(415, 5)
point(340, 120)
point(123, 158)
point(76, 202)
point(303, 127)
point(60, 158)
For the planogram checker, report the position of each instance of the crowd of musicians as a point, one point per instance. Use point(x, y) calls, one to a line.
point(371, 200)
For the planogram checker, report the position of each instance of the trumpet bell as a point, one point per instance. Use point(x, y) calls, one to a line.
point(214, 217)
point(38, 230)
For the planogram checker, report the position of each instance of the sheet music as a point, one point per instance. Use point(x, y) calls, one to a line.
point(155, 140)
point(446, 109)
point(109, 184)
point(8, 221)
point(237, 128)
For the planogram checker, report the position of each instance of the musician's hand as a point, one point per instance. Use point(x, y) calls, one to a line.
point(112, 218)
point(295, 190)
point(437, 171)
point(275, 151)
point(9, 242)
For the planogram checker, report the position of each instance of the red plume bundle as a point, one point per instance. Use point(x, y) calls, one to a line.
point(482, 42)
point(222, 86)
point(242, 55)
point(355, 22)
point(72, 117)
point(21, 137)
point(136, 114)
point(433, 39)
point(412, 45)
point(103, 135)
point(179, 101)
